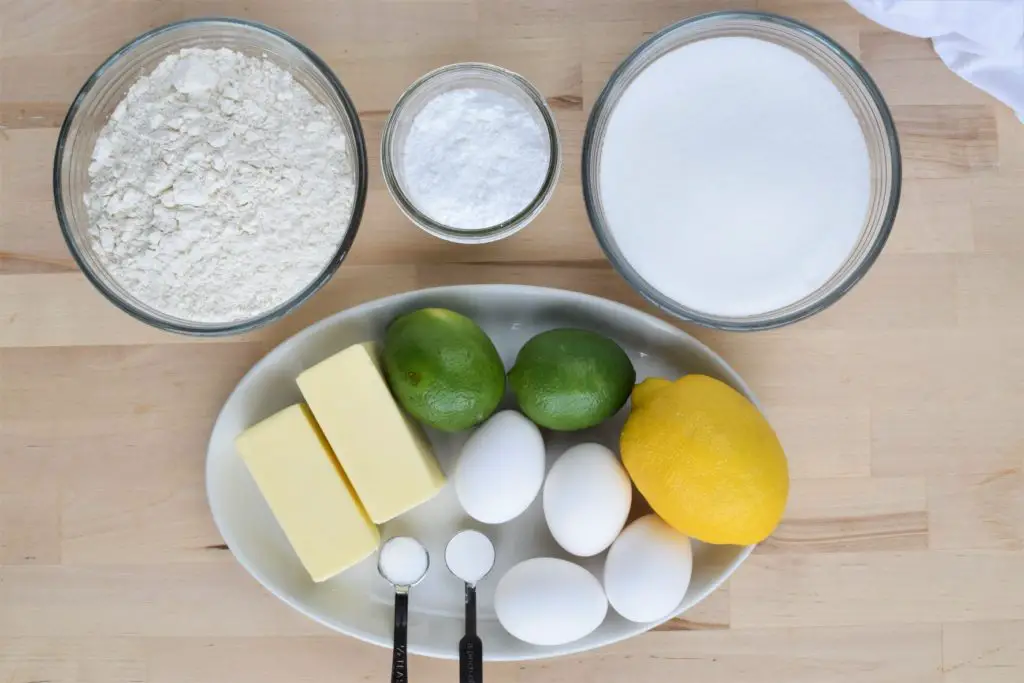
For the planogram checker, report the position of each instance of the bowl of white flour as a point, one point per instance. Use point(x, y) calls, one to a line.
point(210, 176)
point(741, 170)
point(471, 153)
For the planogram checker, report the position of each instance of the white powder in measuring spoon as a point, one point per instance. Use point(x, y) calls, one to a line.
point(219, 188)
point(474, 158)
point(734, 176)
point(403, 561)
point(469, 555)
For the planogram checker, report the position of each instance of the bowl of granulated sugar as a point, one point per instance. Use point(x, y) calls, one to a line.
point(210, 176)
point(470, 153)
point(741, 170)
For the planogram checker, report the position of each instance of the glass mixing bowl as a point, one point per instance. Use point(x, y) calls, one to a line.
point(451, 77)
point(852, 81)
point(108, 86)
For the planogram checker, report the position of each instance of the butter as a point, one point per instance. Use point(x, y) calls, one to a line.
point(308, 493)
point(383, 452)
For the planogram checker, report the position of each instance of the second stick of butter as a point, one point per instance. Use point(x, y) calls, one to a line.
point(383, 452)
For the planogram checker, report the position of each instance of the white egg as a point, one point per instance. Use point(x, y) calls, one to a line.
point(546, 601)
point(586, 499)
point(500, 469)
point(648, 570)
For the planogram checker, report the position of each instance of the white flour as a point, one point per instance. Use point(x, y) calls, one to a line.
point(219, 188)
point(734, 176)
point(474, 158)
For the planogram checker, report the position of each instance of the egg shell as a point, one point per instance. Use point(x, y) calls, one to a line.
point(586, 498)
point(501, 468)
point(547, 601)
point(648, 570)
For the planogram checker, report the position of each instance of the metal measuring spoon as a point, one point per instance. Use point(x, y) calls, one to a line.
point(470, 557)
point(403, 562)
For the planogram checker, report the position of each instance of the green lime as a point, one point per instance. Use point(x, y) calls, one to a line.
point(443, 369)
point(571, 379)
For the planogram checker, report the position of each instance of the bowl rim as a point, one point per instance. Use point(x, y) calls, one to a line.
point(507, 227)
point(533, 293)
point(283, 309)
point(676, 309)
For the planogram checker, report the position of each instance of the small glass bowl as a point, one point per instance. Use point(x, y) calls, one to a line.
point(452, 77)
point(860, 92)
point(107, 87)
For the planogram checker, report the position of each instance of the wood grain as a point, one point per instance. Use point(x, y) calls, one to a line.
point(901, 557)
point(853, 514)
point(983, 652)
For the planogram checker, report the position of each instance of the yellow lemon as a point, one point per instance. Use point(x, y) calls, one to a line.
point(705, 459)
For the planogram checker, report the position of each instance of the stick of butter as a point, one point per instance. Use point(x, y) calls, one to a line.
point(307, 491)
point(381, 449)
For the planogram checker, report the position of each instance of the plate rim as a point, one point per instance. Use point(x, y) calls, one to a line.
point(455, 290)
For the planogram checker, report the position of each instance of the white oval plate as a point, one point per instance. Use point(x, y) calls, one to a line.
point(358, 602)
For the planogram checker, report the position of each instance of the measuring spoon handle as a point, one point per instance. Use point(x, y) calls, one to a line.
point(399, 657)
point(471, 660)
point(471, 648)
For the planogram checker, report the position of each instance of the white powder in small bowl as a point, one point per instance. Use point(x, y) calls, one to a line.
point(220, 187)
point(474, 158)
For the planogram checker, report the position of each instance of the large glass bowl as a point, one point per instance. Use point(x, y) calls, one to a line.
point(852, 81)
point(108, 86)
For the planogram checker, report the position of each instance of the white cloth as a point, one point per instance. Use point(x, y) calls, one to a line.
point(981, 40)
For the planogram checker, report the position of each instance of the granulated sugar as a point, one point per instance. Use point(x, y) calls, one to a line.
point(734, 176)
point(474, 158)
point(219, 188)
